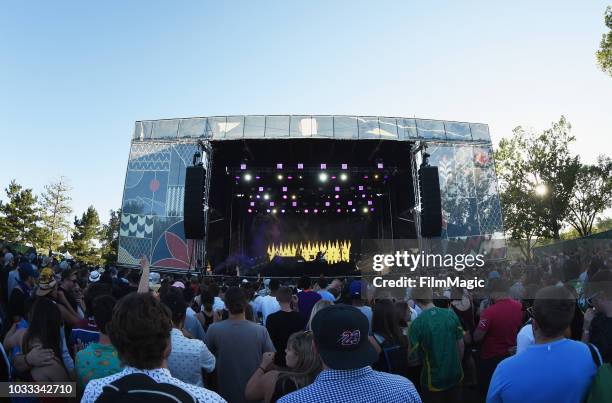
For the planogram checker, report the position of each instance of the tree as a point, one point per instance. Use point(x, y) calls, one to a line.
point(85, 238)
point(592, 196)
point(55, 207)
point(604, 54)
point(19, 216)
point(110, 237)
point(536, 176)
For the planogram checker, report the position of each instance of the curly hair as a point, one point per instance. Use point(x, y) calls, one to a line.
point(140, 330)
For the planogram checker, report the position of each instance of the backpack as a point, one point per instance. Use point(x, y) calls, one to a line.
point(141, 388)
point(600, 391)
point(393, 358)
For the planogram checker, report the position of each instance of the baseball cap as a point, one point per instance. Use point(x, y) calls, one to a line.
point(178, 284)
point(28, 269)
point(340, 333)
point(94, 276)
point(355, 288)
point(46, 282)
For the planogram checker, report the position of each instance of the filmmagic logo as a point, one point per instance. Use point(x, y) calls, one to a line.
point(431, 282)
point(413, 261)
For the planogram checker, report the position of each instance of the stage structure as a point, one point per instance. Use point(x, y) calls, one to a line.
point(287, 189)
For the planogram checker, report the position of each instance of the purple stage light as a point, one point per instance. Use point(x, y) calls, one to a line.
point(285, 197)
point(363, 196)
point(372, 209)
point(360, 187)
point(289, 177)
point(350, 203)
point(305, 210)
point(258, 177)
point(323, 166)
point(237, 177)
point(267, 210)
point(337, 188)
point(326, 204)
point(300, 166)
point(294, 204)
point(283, 211)
point(337, 196)
point(344, 166)
point(258, 196)
point(261, 189)
point(365, 176)
point(316, 211)
point(339, 210)
point(242, 167)
point(369, 202)
point(252, 204)
point(333, 177)
point(353, 210)
point(379, 165)
point(279, 166)
point(271, 204)
point(250, 211)
point(284, 188)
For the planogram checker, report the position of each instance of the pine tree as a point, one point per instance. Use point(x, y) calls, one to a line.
point(84, 245)
point(55, 207)
point(19, 216)
point(110, 238)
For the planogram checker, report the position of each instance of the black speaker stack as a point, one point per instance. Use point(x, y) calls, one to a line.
point(195, 182)
point(431, 203)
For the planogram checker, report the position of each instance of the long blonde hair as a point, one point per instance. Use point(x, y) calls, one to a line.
point(309, 363)
point(322, 303)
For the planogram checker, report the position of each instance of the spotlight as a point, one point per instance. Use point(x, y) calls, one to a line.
point(300, 166)
point(369, 202)
point(326, 204)
point(260, 189)
point(250, 211)
point(379, 165)
point(323, 177)
point(279, 166)
point(266, 196)
point(283, 211)
point(353, 210)
point(339, 210)
point(344, 166)
point(337, 188)
point(365, 209)
point(292, 197)
point(323, 166)
point(242, 167)
point(279, 177)
point(248, 177)
point(316, 211)
point(343, 177)
point(375, 176)
point(360, 187)
point(273, 211)
point(350, 203)
point(267, 210)
point(252, 204)
point(284, 188)
point(305, 210)
point(271, 204)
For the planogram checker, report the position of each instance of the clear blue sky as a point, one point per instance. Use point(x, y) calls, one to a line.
point(74, 75)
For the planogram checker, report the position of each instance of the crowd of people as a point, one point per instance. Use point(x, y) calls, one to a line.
point(539, 332)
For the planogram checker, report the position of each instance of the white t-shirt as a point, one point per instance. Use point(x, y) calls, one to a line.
point(266, 305)
point(188, 358)
point(218, 304)
point(524, 338)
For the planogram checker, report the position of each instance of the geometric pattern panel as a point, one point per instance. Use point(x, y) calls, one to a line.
point(174, 201)
point(136, 225)
point(149, 157)
point(134, 249)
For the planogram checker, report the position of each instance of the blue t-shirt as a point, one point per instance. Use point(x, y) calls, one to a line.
point(327, 296)
point(560, 372)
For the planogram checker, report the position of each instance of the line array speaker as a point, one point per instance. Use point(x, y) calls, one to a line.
point(195, 180)
point(431, 202)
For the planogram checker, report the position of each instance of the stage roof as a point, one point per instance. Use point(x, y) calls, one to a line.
point(338, 127)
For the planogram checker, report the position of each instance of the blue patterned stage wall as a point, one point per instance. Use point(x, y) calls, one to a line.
point(152, 210)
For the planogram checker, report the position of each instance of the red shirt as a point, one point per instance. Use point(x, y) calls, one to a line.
point(501, 322)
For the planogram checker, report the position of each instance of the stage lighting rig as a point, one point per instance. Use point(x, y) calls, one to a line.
point(323, 177)
point(247, 177)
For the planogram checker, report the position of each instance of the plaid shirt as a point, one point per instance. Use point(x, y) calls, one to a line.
point(363, 385)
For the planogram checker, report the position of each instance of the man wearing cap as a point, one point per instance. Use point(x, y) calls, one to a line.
point(21, 292)
point(340, 337)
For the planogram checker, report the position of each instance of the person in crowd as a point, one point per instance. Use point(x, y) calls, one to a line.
point(218, 304)
point(140, 330)
point(324, 292)
point(192, 326)
point(306, 297)
point(44, 332)
point(238, 345)
point(386, 331)
point(189, 357)
point(437, 335)
point(86, 331)
point(283, 324)
point(303, 366)
point(48, 288)
point(340, 338)
point(7, 267)
point(14, 275)
point(65, 291)
point(22, 292)
point(355, 293)
point(207, 314)
point(100, 358)
point(598, 318)
point(463, 306)
point(497, 329)
point(554, 369)
point(322, 303)
point(267, 304)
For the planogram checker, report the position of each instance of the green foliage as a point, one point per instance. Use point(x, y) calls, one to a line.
point(592, 195)
point(525, 162)
point(85, 238)
point(110, 238)
point(55, 207)
point(19, 216)
point(604, 54)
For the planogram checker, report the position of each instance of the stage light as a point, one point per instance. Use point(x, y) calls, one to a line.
point(283, 211)
point(337, 196)
point(267, 210)
point(294, 204)
point(289, 177)
point(326, 204)
point(337, 188)
point(360, 187)
point(285, 197)
point(279, 166)
point(279, 177)
point(300, 176)
point(344, 166)
point(375, 176)
point(242, 167)
point(372, 209)
point(271, 204)
point(333, 177)
point(248, 177)
point(379, 165)
point(258, 196)
point(365, 176)
point(300, 166)
point(305, 210)
point(350, 203)
point(316, 211)
point(258, 177)
point(273, 211)
point(339, 210)
point(266, 196)
point(250, 211)
point(237, 177)
point(363, 196)
point(252, 204)
point(284, 188)
point(365, 209)
point(343, 177)
point(323, 177)
point(323, 166)
point(369, 202)
point(353, 210)
point(292, 197)
point(260, 189)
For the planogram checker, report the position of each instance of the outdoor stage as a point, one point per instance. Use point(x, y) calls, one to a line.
point(287, 195)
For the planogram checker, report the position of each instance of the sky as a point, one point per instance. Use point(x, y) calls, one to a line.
point(75, 76)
